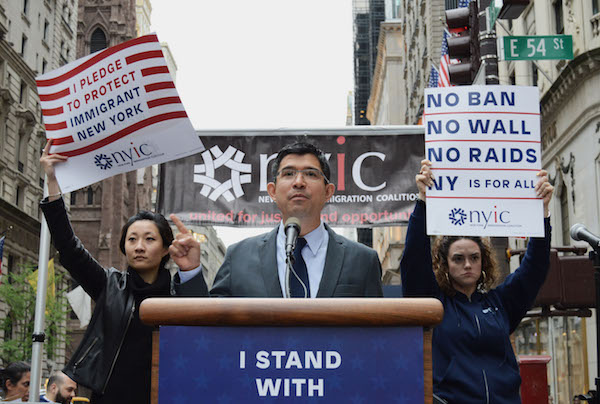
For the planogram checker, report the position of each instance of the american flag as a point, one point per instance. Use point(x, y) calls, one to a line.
point(444, 80)
point(434, 77)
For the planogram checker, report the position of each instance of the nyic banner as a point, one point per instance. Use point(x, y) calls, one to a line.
point(484, 145)
point(373, 170)
point(114, 111)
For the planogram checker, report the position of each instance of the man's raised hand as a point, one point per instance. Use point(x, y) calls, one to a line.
point(184, 250)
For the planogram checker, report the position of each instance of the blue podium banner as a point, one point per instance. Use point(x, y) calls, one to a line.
point(291, 364)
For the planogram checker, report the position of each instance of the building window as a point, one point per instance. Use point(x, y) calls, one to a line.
point(558, 17)
point(512, 78)
point(23, 45)
point(44, 65)
point(25, 6)
point(564, 215)
point(595, 7)
point(10, 267)
point(98, 41)
point(23, 93)
point(46, 26)
point(21, 153)
point(73, 198)
point(19, 196)
point(450, 4)
point(534, 74)
point(5, 130)
point(90, 196)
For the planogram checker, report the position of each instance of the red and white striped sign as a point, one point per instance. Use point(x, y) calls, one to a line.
point(114, 111)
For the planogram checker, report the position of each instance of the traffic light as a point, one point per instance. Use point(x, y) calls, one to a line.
point(465, 46)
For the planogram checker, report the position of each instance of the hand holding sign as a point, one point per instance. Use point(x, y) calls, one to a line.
point(184, 249)
point(47, 161)
point(544, 190)
point(424, 179)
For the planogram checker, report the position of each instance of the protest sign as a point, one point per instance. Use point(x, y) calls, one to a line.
point(291, 364)
point(373, 169)
point(114, 111)
point(484, 145)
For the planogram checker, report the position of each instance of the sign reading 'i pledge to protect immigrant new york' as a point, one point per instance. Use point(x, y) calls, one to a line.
point(114, 111)
point(484, 145)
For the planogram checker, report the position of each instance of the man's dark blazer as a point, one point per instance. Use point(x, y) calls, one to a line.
point(250, 270)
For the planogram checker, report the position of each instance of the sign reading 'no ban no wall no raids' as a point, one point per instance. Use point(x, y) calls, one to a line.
point(114, 111)
point(484, 145)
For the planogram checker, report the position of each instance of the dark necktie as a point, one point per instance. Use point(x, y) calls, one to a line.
point(296, 289)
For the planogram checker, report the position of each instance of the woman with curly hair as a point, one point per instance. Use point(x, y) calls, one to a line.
point(473, 359)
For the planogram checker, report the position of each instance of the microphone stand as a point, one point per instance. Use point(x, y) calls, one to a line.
point(289, 264)
point(592, 396)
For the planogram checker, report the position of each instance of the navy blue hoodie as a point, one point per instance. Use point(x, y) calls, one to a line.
point(473, 359)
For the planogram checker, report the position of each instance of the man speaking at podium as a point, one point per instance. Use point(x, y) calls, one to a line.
point(302, 257)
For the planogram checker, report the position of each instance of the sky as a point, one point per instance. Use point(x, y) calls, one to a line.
point(259, 64)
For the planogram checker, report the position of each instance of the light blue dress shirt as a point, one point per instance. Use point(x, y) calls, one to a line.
point(314, 255)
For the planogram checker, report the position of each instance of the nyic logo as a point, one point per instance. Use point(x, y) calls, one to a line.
point(130, 156)
point(457, 216)
point(485, 218)
point(103, 161)
point(213, 159)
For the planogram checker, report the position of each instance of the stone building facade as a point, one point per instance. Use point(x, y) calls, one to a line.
point(35, 37)
point(570, 127)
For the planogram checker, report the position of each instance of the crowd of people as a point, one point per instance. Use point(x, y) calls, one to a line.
point(473, 360)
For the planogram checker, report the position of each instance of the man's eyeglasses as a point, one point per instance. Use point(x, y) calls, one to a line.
point(309, 174)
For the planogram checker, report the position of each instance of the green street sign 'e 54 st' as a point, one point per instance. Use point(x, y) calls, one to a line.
point(536, 47)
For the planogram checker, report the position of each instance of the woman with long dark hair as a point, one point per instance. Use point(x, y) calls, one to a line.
point(15, 382)
point(114, 357)
point(473, 359)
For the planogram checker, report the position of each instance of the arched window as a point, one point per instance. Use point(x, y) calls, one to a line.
point(98, 41)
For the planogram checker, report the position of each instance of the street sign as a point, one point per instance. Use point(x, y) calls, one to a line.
point(492, 13)
point(536, 47)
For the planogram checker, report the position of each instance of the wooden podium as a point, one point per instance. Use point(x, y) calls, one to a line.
point(294, 350)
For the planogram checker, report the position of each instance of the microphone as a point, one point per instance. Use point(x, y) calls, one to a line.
point(580, 233)
point(292, 230)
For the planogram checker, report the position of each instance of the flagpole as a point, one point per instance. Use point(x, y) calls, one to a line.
point(2, 233)
point(39, 336)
